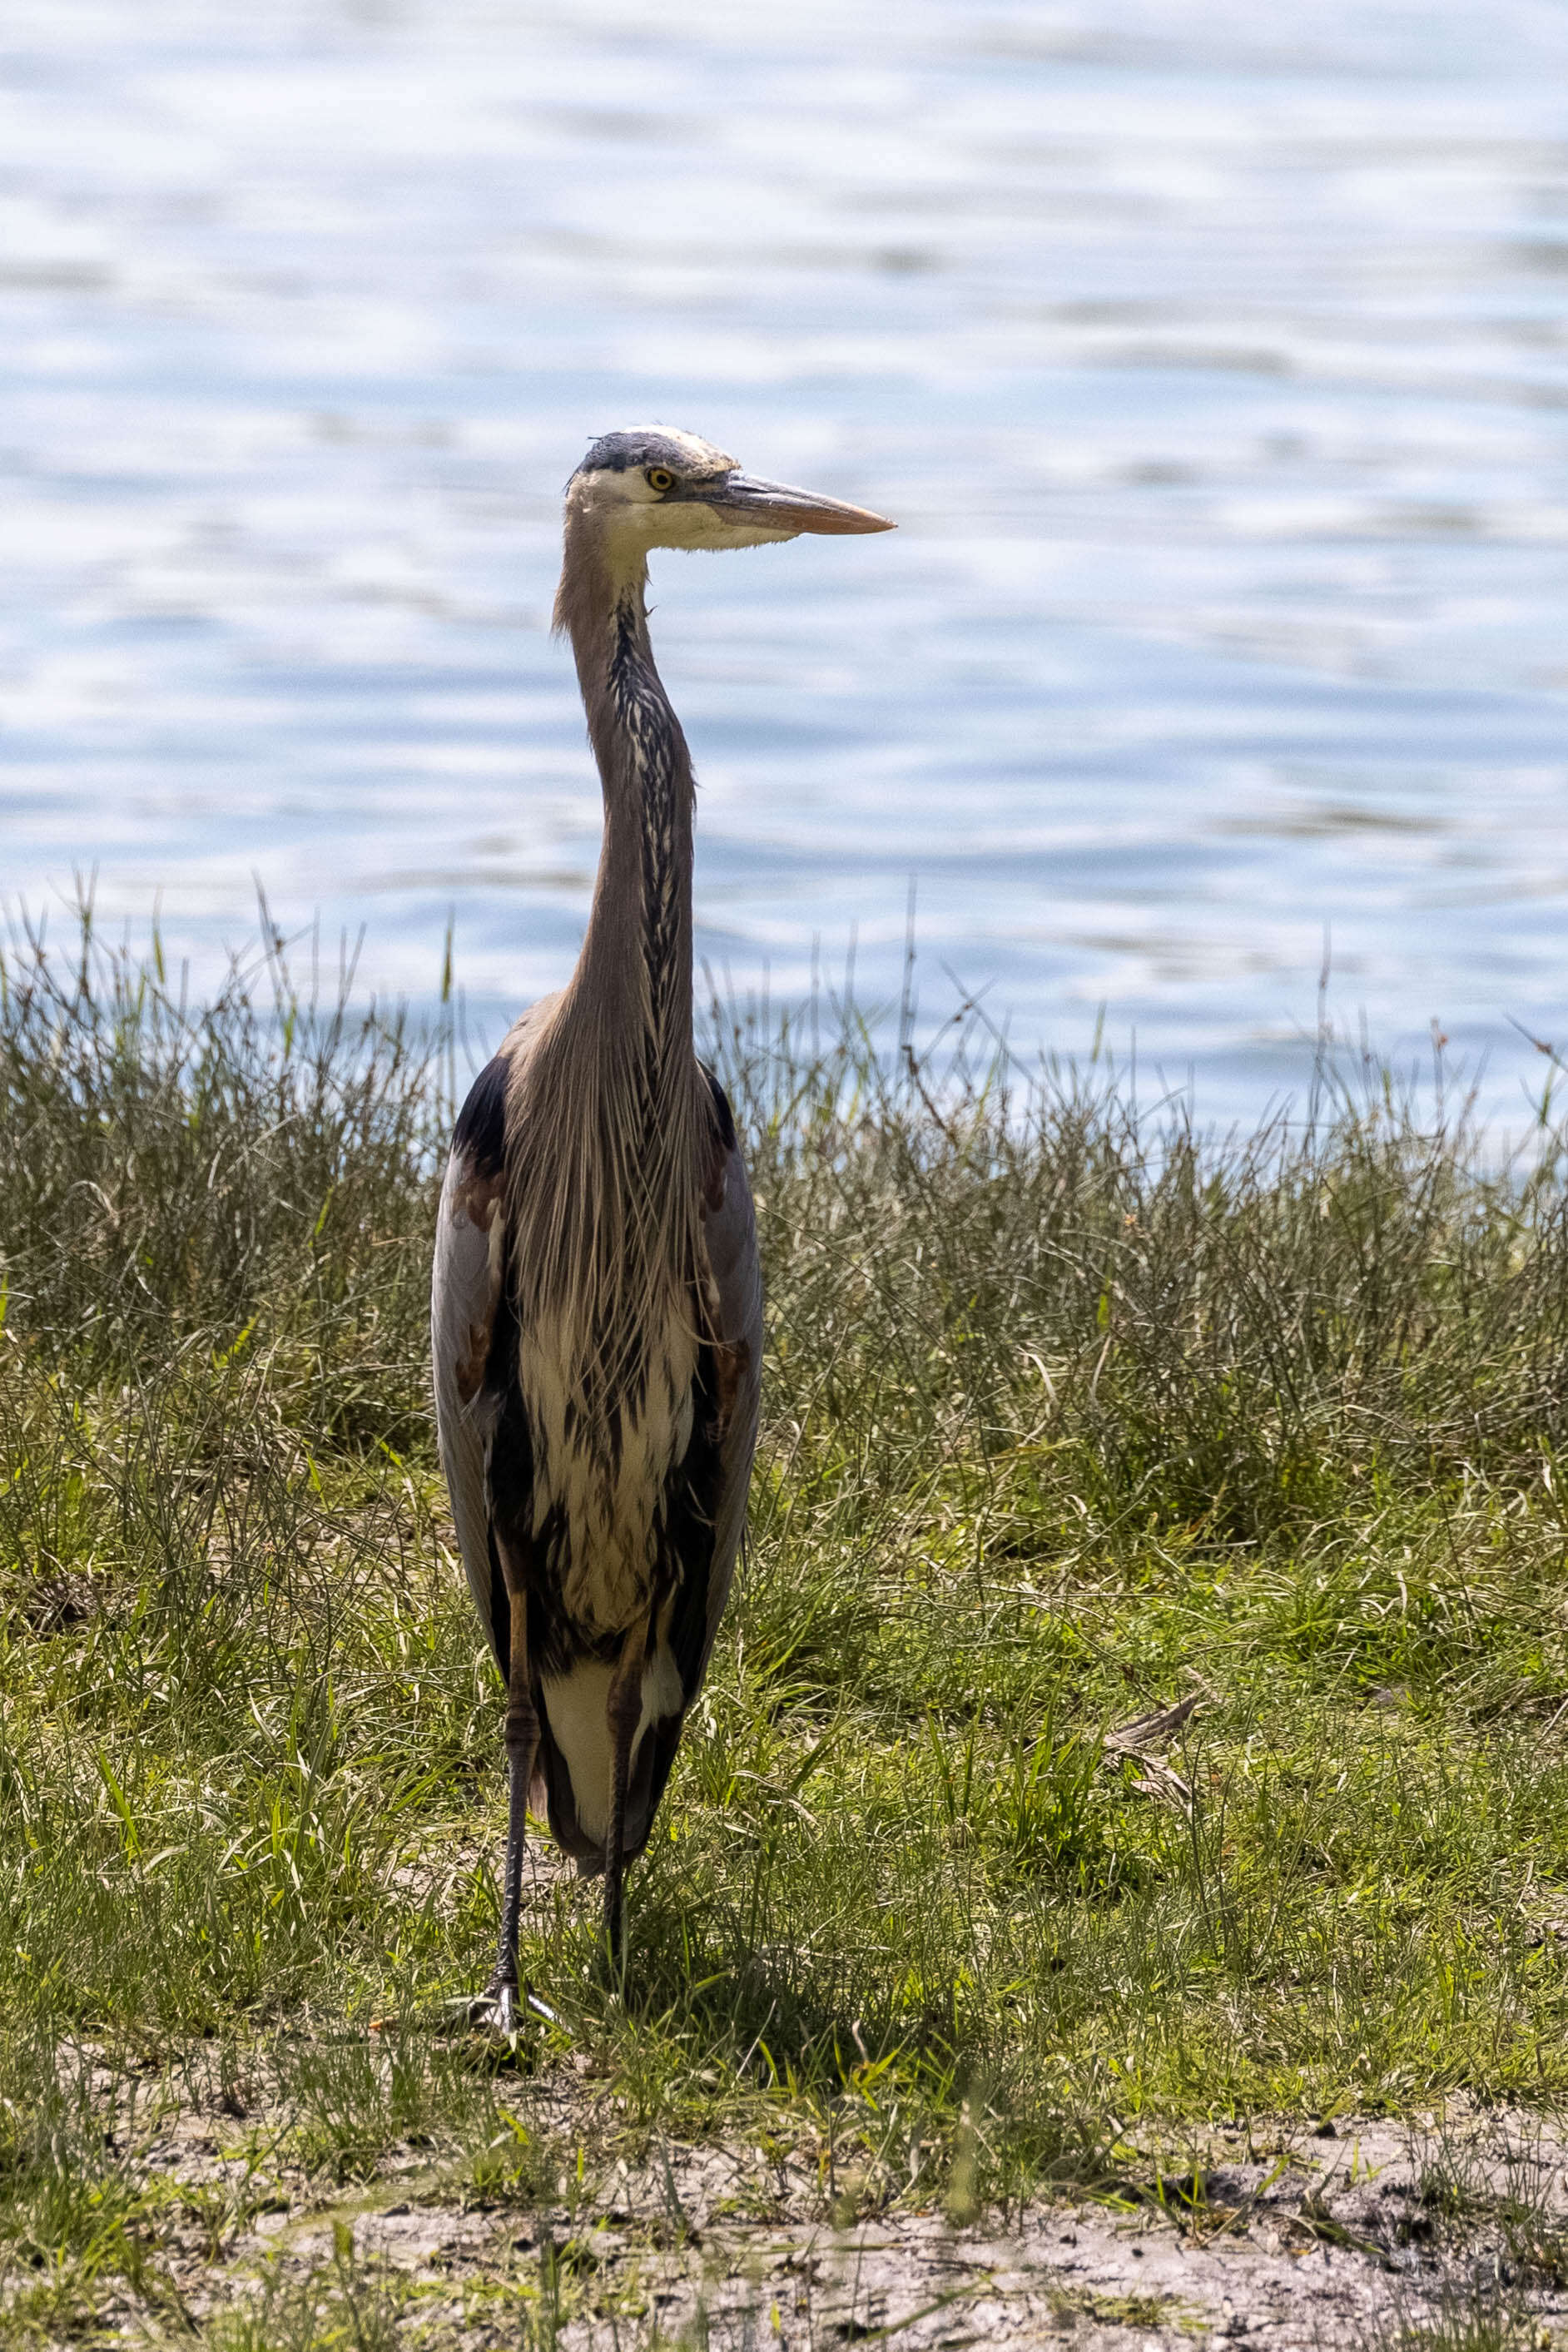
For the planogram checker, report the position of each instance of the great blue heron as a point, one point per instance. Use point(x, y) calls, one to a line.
point(596, 1303)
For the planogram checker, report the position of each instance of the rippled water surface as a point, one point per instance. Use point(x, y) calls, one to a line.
point(1214, 363)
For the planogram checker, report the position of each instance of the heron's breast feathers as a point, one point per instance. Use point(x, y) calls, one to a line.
point(604, 1364)
point(605, 1450)
point(623, 1384)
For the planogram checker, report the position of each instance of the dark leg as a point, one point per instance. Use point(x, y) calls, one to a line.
point(522, 1747)
point(624, 1709)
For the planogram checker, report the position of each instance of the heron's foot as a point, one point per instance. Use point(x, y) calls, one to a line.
point(497, 2009)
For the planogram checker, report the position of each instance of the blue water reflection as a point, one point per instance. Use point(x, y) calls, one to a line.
point(1215, 365)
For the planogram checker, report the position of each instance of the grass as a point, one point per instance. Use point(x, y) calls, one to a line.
point(1068, 1415)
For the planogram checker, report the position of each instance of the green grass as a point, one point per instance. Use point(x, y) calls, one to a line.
point(1067, 1416)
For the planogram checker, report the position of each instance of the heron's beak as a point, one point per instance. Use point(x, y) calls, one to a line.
point(776, 506)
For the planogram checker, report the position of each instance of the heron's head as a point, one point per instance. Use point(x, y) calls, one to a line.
point(651, 488)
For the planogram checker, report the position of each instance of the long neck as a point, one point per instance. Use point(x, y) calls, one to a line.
point(633, 976)
point(607, 1144)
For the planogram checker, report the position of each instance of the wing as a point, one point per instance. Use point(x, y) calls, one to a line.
point(465, 1292)
point(707, 1514)
point(729, 1229)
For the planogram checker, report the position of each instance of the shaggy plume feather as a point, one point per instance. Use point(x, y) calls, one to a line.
point(606, 1229)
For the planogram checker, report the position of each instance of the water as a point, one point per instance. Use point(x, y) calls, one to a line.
point(1214, 365)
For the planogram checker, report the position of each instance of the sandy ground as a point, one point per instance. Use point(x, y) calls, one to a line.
point(1352, 2234)
point(1356, 2233)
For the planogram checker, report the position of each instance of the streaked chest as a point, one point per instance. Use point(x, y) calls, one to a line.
point(609, 1432)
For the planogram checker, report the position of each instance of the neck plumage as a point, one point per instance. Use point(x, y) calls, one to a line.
point(609, 1139)
point(632, 987)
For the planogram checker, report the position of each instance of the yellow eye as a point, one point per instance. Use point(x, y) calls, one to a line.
point(659, 478)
